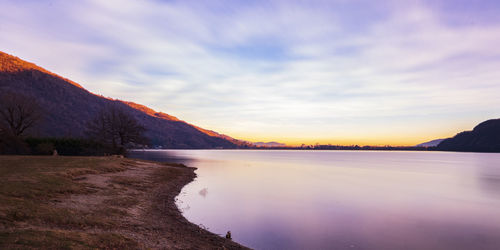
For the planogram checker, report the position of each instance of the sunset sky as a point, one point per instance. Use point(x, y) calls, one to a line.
point(339, 72)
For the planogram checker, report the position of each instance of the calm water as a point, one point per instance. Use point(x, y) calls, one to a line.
point(343, 199)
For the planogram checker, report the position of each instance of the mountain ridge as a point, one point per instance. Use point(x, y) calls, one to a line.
point(68, 107)
point(431, 143)
point(484, 137)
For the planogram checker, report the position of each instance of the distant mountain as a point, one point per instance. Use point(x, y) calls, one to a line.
point(432, 143)
point(485, 137)
point(68, 107)
point(269, 144)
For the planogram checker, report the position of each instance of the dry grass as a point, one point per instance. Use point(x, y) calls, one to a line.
point(30, 190)
point(37, 239)
point(96, 203)
point(124, 202)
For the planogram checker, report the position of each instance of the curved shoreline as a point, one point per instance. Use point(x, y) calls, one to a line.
point(185, 234)
point(97, 203)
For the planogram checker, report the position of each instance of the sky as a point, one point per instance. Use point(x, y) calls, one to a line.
point(339, 72)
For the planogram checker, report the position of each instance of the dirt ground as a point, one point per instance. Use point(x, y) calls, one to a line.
point(98, 202)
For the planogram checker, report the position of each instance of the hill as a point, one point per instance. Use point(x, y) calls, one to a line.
point(432, 143)
point(485, 137)
point(67, 108)
point(269, 144)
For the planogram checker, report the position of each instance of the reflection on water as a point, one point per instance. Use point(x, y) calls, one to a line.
point(343, 199)
point(203, 192)
point(488, 180)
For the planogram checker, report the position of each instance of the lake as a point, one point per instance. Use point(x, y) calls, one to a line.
point(292, 199)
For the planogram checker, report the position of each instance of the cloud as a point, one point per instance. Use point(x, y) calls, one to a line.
point(275, 70)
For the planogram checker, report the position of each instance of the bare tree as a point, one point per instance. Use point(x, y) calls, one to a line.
point(18, 113)
point(114, 127)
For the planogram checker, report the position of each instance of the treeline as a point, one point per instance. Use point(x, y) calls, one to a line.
point(352, 147)
point(51, 146)
point(66, 146)
point(111, 131)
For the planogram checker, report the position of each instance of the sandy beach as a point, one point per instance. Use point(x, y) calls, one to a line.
point(97, 202)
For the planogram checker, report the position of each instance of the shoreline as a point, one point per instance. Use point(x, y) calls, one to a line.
point(97, 202)
point(167, 213)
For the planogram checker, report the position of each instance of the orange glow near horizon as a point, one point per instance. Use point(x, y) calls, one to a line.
point(394, 140)
point(362, 135)
point(344, 141)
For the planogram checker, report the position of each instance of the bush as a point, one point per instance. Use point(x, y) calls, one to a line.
point(10, 144)
point(66, 146)
point(45, 148)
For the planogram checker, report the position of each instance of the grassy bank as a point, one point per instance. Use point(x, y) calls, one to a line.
point(95, 202)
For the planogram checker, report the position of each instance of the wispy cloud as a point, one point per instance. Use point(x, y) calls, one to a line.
point(314, 71)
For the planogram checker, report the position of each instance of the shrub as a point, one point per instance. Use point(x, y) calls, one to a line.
point(66, 146)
